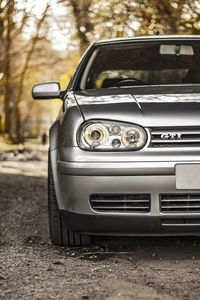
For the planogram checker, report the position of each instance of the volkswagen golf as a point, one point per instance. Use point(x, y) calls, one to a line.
point(124, 154)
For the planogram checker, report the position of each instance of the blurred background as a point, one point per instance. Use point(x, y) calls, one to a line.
point(43, 40)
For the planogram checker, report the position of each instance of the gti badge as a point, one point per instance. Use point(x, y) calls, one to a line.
point(171, 136)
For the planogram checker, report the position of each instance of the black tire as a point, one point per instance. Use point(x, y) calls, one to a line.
point(60, 235)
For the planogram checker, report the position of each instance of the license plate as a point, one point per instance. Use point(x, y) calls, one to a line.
point(188, 177)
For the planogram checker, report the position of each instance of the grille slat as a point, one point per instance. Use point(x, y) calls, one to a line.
point(119, 207)
point(136, 203)
point(181, 199)
point(176, 141)
point(180, 203)
point(170, 137)
point(178, 206)
point(190, 132)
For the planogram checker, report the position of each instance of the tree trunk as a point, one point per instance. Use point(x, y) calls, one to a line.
point(7, 73)
point(82, 21)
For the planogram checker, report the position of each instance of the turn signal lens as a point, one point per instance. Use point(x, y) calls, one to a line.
point(115, 129)
point(116, 143)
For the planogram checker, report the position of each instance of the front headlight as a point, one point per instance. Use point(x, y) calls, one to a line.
point(111, 136)
point(96, 135)
point(133, 137)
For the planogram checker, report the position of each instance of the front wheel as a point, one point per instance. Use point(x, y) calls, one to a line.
point(60, 235)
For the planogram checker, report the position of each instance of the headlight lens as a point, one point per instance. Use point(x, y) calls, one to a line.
point(111, 136)
point(133, 137)
point(96, 135)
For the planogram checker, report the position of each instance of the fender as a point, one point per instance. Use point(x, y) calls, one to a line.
point(53, 155)
point(58, 137)
point(53, 136)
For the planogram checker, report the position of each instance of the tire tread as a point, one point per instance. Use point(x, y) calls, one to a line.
point(60, 235)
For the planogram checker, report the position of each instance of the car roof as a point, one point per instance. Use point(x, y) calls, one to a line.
point(147, 39)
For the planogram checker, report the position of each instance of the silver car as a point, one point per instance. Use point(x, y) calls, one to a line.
point(124, 155)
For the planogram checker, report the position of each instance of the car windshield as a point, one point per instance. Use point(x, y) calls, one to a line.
point(142, 64)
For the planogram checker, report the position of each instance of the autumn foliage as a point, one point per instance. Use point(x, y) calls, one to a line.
point(29, 53)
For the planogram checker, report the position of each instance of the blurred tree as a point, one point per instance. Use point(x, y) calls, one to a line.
point(99, 19)
point(26, 54)
point(145, 17)
point(46, 64)
point(11, 38)
point(8, 10)
point(82, 20)
point(71, 63)
point(20, 85)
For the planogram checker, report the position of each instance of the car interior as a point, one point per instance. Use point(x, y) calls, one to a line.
point(144, 64)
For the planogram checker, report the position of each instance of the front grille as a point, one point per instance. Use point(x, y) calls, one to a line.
point(175, 137)
point(134, 203)
point(180, 203)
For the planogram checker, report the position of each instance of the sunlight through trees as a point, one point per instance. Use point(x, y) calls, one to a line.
point(44, 43)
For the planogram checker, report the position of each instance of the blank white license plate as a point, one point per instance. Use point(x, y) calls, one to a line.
point(188, 177)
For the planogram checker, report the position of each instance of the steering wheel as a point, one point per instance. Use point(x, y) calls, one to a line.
point(129, 81)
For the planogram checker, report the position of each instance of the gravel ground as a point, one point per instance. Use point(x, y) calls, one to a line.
point(111, 268)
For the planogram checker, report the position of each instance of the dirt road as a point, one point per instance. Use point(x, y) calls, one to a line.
point(112, 268)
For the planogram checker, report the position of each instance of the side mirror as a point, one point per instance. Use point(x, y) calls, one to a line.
point(47, 90)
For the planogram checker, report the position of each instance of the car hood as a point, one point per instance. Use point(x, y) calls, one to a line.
point(177, 109)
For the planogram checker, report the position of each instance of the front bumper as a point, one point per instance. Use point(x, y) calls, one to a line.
point(77, 181)
point(129, 225)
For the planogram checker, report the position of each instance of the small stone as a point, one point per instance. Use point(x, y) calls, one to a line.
point(58, 263)
point(2, 278)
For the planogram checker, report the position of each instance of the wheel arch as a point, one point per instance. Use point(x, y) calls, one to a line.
point(53, 155)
